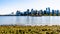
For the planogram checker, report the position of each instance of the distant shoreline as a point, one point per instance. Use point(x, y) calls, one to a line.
point(26, 25)
point(29, 15)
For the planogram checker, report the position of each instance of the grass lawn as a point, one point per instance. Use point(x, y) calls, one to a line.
point(30, 29)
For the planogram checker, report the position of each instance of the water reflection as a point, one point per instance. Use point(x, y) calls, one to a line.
point(55, 20)
point(17, 20)
point(27, 19)
point(30, 20)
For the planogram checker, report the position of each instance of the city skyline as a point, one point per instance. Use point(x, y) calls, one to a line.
point(8, 6)
point(32, 12)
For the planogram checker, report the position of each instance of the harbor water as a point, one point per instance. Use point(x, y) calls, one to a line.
point(30, 20)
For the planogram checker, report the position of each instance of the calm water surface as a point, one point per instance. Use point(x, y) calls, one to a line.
point(29, 20)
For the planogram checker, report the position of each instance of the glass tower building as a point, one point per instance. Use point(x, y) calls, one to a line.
point(48, 10)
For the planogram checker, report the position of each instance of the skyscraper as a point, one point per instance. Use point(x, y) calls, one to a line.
point(32, 12)
point(57, 12)
point(44, 11)
point(39, 12)
point(27, 12)
point(48, 10)
point(52, 12)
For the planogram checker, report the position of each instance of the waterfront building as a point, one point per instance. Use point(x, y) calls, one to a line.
point(41, 12)
point(57, 12)
point(52, 12)
point(32, 12)
point(18, 13)
point(44, 11)
point(24, 13)
point(27, 12)
point(48, 10)
point(35, 12)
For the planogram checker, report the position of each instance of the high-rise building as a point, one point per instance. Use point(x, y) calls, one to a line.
point(41, 12)
point(35, 12)
point(57, 12)
point(52, 12)
point(27, 12)
point(44, 11)
point(48, 10)
point(18, 13)
point(32, 11)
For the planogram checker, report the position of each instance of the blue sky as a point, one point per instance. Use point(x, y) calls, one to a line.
point(8, 6)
